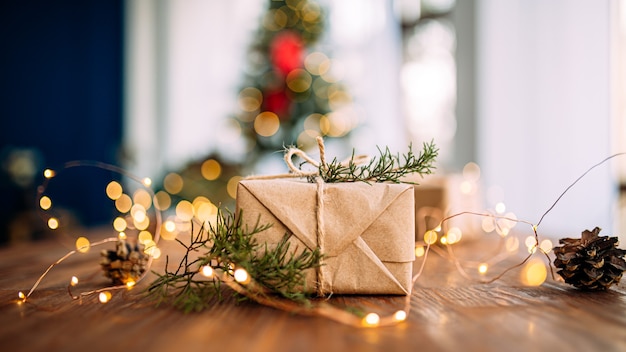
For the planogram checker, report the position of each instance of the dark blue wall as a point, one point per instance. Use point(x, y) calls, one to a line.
point(61, 80)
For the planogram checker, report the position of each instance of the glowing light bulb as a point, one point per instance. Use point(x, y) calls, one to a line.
point(22, 296)
point(419, 251)
point(130, 283)
point(546, 245)
point(53, 223)
point(45, 203)
point(399, 316)
point(241, 276)
point(534, 273)
point(207, 271)
point(500, 208)
point(104, 297)
point(74, 281)
point(119, 224)
point(147, 182)
point(430, 237)
point(82, 244)
point(114, 190)
point(47, 173)
point(482, 268)
point(122, 235)
point(371, 319)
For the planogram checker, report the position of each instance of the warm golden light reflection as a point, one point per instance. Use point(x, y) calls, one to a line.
point(48, 173)
point(313, 63)
point(104, 297)
point(211, 169)
point(454, 235)
point(471, 172)
point(512, 244)
point(482, 268)
point(299, 80)
point(168, 230)
point(114, 190)
point(488, 224)
point(400, 316)
point(530, 241)
point(275, 20)
point(241, 276)
point(546, 245)
point(420, 251)
point(207, 271)
point(147, 181)
point(430, 237)
point(74, 281)
point(123, 203)
point(184, 210)
point(82, 244)
point(138, 212)
point(53, 223)
point(338, 99)
point(231, 186)
point(320, 86)
point(173, 183)
point(170, 226)
point(250, 99)
point(119, 224)
point(142, 223)
point(466, 187)
point(371, 319)
point(266, 124)
point(143, 198)
point(162, 200)
point(206, 212)
point(534, 273)
point(122, 236)
point(334, 73)
point(144, 237)
point(45, 202)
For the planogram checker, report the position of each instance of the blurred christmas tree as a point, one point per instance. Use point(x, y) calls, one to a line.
point(290, 91)
point(289, 96)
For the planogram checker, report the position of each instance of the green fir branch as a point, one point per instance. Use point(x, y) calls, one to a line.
point(278, 270)
point(387, 167)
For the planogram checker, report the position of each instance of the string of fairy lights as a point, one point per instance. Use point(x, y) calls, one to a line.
point(442, 239)
point(134, 207)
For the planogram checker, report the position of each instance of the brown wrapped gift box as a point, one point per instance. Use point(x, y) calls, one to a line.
point(368, 236)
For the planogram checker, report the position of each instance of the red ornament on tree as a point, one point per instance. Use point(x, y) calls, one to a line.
point(286, 52)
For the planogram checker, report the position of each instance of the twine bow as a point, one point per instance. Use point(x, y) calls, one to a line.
point(318, 176)
point(321, 166)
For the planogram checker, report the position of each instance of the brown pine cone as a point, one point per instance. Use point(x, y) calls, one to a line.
point(125, 264)
point(591, 262)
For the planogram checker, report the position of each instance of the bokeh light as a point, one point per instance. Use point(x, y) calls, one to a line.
point(211, 169)
point(173, 183)
point(534, 273)
point(114, 190)
point(82, 244)
point(123, 203)
point(266, 124)
point(45, 203)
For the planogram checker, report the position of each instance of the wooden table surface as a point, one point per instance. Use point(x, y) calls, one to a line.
point(449, 313)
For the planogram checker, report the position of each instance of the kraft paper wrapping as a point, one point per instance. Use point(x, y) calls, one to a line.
point(368, 235)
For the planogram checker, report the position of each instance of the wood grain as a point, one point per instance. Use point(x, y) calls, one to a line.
point(449, 313)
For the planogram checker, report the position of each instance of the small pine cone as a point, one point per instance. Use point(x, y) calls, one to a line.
point(592, 262)
point(124, 264)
